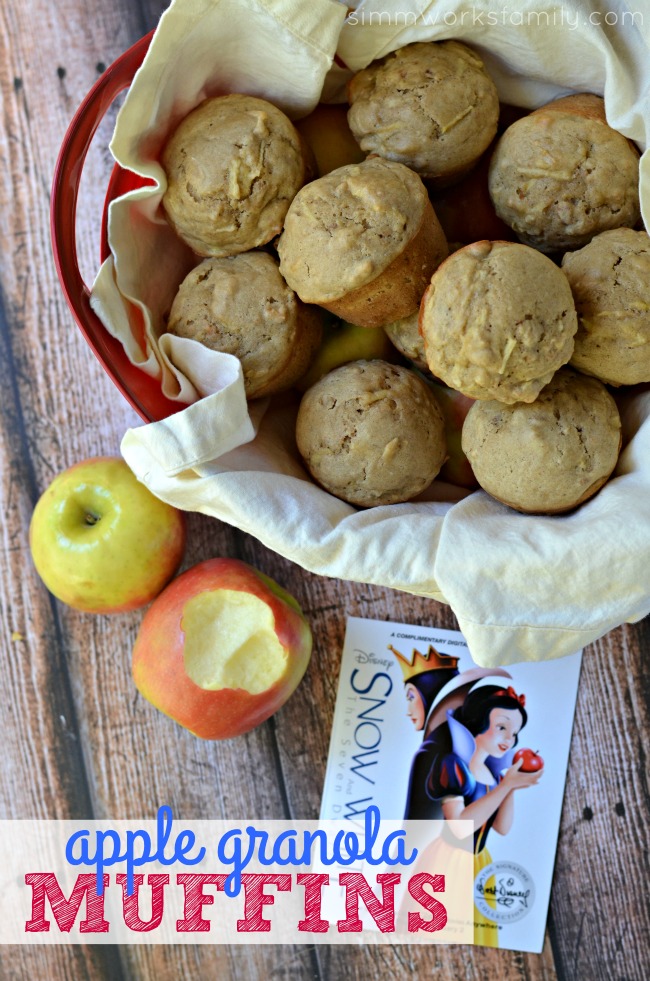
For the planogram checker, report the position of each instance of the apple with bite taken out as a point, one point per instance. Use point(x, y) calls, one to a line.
point(100, 540)
point(221, 649)
point(532, 761)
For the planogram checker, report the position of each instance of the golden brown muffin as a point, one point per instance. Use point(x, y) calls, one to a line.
point(431, 106)
point(362, 242)
point(561, 175)
point(233, 166)
point(371, 433)
point(241, 305)
point(551, 455)
point(405, 335)
point(498, 320)
point(610, 280)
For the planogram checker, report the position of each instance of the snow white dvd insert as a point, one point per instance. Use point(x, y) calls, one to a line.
point(424, 733)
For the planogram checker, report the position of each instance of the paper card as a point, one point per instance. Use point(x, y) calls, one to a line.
point(454, 751)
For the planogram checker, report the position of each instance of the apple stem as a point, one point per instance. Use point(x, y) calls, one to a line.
point(91, 519)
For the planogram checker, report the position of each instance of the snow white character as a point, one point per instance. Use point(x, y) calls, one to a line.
point(463, 770)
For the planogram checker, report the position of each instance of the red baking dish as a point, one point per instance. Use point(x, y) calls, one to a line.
point(140, 389)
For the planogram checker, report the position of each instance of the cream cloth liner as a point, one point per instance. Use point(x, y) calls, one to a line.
point(523, 588)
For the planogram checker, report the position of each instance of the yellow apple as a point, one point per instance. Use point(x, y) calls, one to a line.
point(342, 343)
point(326, 131)
point(101, 542)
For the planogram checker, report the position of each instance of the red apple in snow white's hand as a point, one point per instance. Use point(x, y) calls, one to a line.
point(221, 649)
point(532, 761)
point(100, 540)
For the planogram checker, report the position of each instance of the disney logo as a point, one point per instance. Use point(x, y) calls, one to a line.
point(505, 893)
point(367, 657)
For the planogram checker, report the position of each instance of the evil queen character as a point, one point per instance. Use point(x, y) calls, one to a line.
point(425, 675)
point(463, 769)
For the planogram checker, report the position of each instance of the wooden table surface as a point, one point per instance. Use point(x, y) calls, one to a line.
point(77, 739)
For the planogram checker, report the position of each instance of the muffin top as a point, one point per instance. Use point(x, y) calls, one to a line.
point(241, 305)
point(233, 165)
point(346, 228)
point(610, 280)
point(431, 106)
point(498, 320)
point(562, 175)
point(548, 456)
point(371, 433)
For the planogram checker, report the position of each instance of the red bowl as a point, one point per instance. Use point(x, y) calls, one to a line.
point(142, 390)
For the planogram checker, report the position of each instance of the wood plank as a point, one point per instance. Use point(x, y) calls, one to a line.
point(74, 726)
point(37, 712)
point(600, 912)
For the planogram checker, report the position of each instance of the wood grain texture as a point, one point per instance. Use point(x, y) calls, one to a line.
point(79, 742)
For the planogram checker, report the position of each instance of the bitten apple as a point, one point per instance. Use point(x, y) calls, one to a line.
point(532, 761)
point(100, 540)
point(221, 649)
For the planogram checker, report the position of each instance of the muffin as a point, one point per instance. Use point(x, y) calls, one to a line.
point(371, 433)
point(241, 305)
point(431, 106)
point(610, 280)
point(561, 175)
point(498, 320)
point(549, 456)
point(233, 166)
point(406, 337)
point(362, 242)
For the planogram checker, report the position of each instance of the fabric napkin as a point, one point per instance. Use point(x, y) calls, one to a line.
point(522, 587)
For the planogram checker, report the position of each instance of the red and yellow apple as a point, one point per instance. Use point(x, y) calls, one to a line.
point(221, 649)
point(101, 542)
point(327, 133)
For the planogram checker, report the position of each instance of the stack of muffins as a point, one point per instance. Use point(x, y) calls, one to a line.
point(496, 320)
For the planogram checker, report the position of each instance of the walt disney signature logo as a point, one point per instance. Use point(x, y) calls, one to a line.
point(504, 892)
